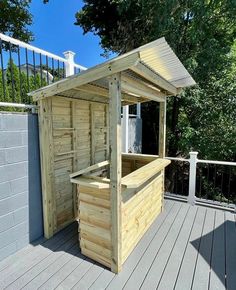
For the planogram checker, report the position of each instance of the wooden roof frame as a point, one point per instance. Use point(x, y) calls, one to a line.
point(139, 78)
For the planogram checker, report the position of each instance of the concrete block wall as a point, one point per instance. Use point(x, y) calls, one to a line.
point(20, 191)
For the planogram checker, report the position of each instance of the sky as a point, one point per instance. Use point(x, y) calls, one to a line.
point(54, 30)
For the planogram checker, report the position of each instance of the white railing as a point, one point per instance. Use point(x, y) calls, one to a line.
point(70, 65)
point(193, 161)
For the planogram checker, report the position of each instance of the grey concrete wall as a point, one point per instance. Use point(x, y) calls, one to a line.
point(20, 186)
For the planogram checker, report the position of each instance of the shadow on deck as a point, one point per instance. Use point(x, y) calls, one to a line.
point(185, 248)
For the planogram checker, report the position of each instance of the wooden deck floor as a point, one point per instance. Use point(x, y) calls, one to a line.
point(185, 248)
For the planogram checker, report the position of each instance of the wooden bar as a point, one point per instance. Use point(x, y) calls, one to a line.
point(140, 204)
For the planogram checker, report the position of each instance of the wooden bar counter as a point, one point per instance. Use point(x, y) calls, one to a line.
point(142, 200)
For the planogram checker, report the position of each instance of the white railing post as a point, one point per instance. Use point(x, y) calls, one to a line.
point(70, 64)
point(125, 130)
point(192, 177)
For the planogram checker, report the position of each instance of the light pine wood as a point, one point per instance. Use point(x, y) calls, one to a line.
point(162, 129)
point(95, 73)
point(90, 168)
point(115, 169)
point(46, 154)
point(153, 77)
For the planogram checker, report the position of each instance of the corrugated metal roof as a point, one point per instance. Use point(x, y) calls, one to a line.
point(159, 57)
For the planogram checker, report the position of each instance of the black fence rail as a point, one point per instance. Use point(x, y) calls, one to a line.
point(213, 181)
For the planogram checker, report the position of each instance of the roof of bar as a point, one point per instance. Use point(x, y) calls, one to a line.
point(154, 66)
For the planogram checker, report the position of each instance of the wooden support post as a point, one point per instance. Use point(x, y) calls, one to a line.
point(162, 141)
point(46, 155)
point(115, 168)
point(162, 129)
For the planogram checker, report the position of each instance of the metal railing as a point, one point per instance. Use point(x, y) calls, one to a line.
point(202, 180)
point(24, 68)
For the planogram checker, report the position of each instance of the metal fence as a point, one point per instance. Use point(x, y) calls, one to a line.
point(202, 180)
point(24, 68)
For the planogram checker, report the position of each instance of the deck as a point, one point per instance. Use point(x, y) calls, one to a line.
point(185, 248)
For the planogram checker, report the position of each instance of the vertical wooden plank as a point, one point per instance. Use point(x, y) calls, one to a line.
point(75, 158)
point(92, 129)
point(115, 168)
point(162, 139)
point(47, 159)
point(162, 129)
point(107, 132)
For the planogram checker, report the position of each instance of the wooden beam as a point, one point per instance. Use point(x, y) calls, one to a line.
point(159, 81)
point(87, 76)
point(46, 156)
point(138, 87)
point(115, 169)
point(77, 94)
point(90, 168)
point(162, 130)
point(96, 90)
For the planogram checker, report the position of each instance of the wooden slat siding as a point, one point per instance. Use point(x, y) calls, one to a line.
point(14, 272)
point(36, 276)
point(61, 258)
point(115, 169)
point(187, 267)
point(132, 263)
point(201, 275)
point(137, 218)
point(217, 274)
point(166, 280)
point(68, 135)
point(106, 277)
point(230, 250)
point(154, 273)
point(89, 277)
point(46, 155)
point(144, 264)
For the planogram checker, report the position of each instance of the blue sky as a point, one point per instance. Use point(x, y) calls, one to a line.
point(54, 31)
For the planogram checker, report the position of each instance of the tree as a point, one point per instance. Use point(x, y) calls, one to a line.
point(202, 34)
point(15, 19)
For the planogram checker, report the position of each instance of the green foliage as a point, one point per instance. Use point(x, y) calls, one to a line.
point(202, 34)
point(15, 19)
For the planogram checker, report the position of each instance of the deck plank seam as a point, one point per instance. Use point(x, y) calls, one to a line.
point(185, 249)
point(212, 241)
point(173, 246)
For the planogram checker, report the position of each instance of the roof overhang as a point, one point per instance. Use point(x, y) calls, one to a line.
point(149, 72)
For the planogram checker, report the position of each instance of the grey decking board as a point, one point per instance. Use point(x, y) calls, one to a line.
point(71, 269)
point(103, 280)
point(187, 267)
point(30, 249)
point(167, 281)
point(145, 263)
point(202, 271)
point(217, 274)
point(17, 269)
point(89, 277)
point(44, 264)
point(134, 260)
point(64, 272)
point(75, 276)
point(154, 273)
point(45, 275)
point(230, 251)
